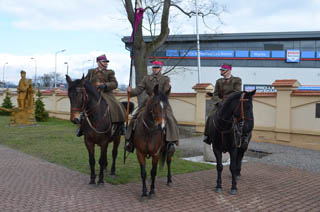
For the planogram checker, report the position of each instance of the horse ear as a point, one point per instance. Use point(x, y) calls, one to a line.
point(156, 89)
point(68, 79)
point(83, 81)
point(250, 93)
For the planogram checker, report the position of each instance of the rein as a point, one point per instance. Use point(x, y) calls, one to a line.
point(152, 129)
point(90, 111)
point(235, 121)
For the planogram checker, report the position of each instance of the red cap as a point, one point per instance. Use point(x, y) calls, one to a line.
point(102, 58)
point(226, 67)
point(157, 64)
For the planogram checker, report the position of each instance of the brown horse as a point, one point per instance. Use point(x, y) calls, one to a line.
point(96, 124)
point(149, 138)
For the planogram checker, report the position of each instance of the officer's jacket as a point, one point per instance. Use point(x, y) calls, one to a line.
point(225, 87)
point(148, 83)
point(107, 77)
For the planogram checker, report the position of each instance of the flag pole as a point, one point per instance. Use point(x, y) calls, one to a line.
point(130, 76)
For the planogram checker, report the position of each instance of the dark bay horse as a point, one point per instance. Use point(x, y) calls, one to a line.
point(231, 132)
point(96, 124)
point(149, 138)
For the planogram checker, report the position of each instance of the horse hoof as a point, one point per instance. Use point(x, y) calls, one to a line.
point(218, 190)
point(233, 191)
point(113, 174)
point(100, 183)
point(143, 198)
point(92, 182)
point(169, 184)
point(152, 195)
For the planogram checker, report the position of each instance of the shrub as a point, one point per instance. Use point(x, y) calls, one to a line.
point(6, 104)
point(40, 113)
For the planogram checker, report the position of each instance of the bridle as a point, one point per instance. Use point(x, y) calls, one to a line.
point(237, 123)
point(152, 129)
point(88, 112)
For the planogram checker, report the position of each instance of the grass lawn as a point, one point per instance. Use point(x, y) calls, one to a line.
point(55, 141)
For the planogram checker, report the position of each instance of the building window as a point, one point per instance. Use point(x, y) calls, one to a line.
point(271, 46)
point(318, 110)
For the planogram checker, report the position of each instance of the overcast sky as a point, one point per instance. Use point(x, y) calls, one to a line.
point(88, 28)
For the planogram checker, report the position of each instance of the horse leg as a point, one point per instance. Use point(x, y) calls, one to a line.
point(102, 162)
point(233, 158)
point(218, 155)
point(116, 143)
point(90, 148)
point(239, 162)
point(155, 160)
point(169, 181)
point(142, 161)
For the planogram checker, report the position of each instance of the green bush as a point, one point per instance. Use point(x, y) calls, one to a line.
point(6, 104)
point(40, 113)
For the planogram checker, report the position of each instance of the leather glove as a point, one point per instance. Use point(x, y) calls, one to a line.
point(102, 87)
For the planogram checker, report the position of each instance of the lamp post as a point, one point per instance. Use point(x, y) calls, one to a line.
point(67, 66)
point(4, 65)
point(35, 71)
point(55, 66)
point(198, 42)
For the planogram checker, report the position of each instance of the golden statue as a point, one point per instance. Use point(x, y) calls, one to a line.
point(25, 113)
point(22, 90)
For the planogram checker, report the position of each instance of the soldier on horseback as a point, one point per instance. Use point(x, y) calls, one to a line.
point(105, 82)
point(224, 86)
point(147, 84)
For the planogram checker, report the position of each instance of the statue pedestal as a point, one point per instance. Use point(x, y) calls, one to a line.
point(21, 117)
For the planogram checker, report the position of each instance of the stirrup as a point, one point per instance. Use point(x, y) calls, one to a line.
point(129, 147)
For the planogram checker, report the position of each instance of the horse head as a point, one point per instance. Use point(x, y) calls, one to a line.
point(78, 97)
point(243, 113)
point(157, 107)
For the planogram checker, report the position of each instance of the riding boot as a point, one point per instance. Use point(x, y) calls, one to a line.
point(206, 139)
point(130, 147)
point(171, 149)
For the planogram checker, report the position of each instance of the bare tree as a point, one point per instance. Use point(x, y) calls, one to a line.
point(47, 80)
point(157, 13)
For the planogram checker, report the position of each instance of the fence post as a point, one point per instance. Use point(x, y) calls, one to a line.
point(200, 112)
point(283, 108)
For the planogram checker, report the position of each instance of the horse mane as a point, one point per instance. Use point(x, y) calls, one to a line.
point(233, 96)
point(91, 89)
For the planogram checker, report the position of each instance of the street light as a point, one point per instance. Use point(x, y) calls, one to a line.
point(55, 67)
point(35, 70)
point(67, 66)
point(4, 65)
point(198, 43)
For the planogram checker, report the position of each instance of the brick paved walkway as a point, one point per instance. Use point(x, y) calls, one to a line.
point(30, 184)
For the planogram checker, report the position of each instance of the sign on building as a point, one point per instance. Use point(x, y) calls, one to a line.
point(259, 88)
point(293, 56)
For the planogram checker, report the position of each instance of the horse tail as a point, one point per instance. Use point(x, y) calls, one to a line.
point(163, 158)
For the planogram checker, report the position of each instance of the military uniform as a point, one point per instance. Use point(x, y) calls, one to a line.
point(223, 88)
point(107, 78)
point(147, 84)
point(22, 90)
